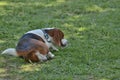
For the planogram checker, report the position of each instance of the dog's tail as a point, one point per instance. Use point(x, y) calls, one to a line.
point(10, 51)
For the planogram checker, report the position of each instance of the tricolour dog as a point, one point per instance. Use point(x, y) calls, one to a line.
point(34, 45)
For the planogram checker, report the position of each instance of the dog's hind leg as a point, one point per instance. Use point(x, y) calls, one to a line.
point(40, 56)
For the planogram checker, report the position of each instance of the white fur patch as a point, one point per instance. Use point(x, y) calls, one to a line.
point(10, 51)
point(38, 32)
point(64, 41)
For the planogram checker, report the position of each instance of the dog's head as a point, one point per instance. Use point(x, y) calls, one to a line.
point(57, 37)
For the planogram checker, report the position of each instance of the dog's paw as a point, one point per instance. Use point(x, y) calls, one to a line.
point(56, 49)
point(50, 55)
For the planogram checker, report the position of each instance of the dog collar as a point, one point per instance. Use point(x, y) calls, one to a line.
point(46, 36)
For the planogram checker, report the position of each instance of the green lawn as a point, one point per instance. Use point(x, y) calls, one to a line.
point(92, 28)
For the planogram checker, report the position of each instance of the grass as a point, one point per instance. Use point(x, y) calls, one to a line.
point(91, 26)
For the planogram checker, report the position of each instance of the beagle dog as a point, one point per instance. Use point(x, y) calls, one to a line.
point(34, 46)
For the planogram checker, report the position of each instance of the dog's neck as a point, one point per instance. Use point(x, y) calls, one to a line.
point(47, 37)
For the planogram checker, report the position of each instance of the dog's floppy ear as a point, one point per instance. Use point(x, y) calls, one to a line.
point(57, 36)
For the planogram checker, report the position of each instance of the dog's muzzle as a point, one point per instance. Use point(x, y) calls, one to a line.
point(64, 42)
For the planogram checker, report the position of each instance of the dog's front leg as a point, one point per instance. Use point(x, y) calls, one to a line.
point(54, 48)
point(50, 55)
